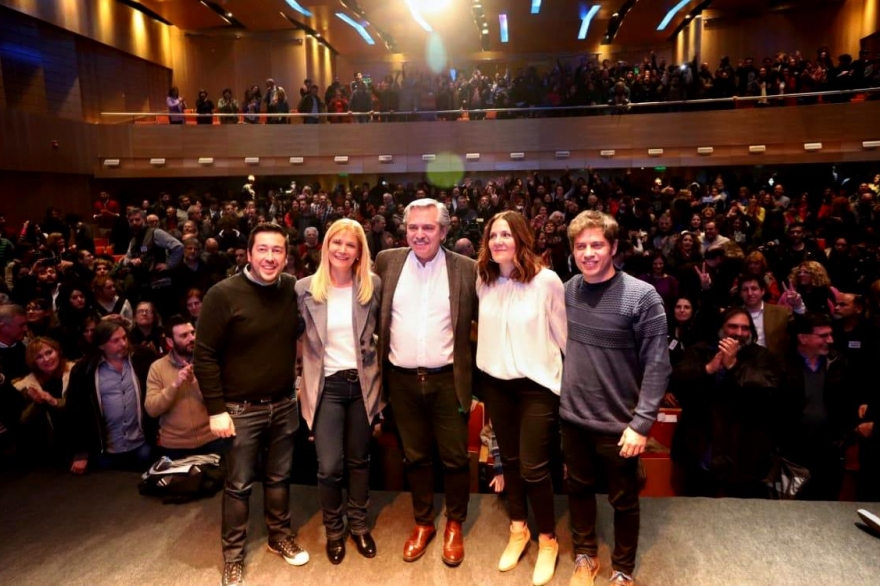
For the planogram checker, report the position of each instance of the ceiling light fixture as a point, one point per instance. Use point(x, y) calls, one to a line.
point(671, 14)
point(417, 16)
point(296, 6)
point(360, 28)
point(586, 20)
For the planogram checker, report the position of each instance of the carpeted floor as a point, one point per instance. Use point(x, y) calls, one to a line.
point(96, 530)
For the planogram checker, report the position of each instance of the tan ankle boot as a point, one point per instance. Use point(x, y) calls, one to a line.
point(516, 545)
point(545, 566)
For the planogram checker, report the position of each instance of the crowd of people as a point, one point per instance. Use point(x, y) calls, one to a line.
point(753, 309)
point(421, 95)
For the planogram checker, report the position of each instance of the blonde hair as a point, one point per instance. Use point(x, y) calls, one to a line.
point(363, 277)
point(818, 274)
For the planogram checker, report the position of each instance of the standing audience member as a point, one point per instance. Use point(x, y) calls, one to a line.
point(615, 374)
point(428, 303)
point(771, 321)
point(728, 391)
point(341, 396)
point(244, 362)
point(818, 403)
point(176, 107)
point(147, 329)
point(521, 338)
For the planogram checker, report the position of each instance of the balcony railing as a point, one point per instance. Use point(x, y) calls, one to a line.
point(772, 101)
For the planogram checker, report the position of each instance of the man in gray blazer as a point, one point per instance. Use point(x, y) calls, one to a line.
point(428, 303)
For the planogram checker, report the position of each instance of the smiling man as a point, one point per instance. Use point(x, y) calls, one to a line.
point(615, 374)
point(244, 356)
point(428, 303)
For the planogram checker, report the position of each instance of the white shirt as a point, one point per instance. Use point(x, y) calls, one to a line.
point(523, 329)
point(339, 352)
point(421, 315)
point(758, 318)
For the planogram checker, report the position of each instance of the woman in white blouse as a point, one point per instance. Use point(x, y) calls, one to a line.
point(340, 395)
point(521, 337)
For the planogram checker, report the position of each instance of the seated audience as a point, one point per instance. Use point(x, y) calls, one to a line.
point(173, 397)
point(109, 428)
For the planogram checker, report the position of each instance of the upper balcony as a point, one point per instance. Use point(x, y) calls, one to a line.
point(642, 136)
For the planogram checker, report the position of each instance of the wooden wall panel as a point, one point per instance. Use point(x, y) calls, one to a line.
point(25, 196)
point(112, 81)
point(50, 71)
point(237, 62)
point(26, 144)
point(839, 25)
point(22, 60)
point(63, 95)
point(107, 22)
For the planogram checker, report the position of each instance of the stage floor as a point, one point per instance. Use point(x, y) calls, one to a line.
point(96, 530)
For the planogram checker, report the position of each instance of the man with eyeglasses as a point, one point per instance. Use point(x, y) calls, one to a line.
point(818, 401)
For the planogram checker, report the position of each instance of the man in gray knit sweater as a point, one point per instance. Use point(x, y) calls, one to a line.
point(614, 377)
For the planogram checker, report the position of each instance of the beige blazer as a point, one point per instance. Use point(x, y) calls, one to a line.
point(776, 320)
point(364, 318)
point(463, 305)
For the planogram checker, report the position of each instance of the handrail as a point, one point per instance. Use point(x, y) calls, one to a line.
point(614, 108)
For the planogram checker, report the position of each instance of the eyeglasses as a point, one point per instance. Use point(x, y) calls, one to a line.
point(144, 312)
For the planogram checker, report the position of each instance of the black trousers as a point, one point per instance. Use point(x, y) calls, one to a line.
point(586, 454)
point(258, 426)
point(428, 414)
point(342, 441)
point(525, 417)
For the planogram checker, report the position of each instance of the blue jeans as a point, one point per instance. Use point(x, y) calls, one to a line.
point(137, 460)
point(269, 426)
point(342, 440)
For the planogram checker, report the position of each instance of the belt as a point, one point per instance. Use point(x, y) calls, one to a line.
point(349, 376)
point(421, 371)
point(268, 401)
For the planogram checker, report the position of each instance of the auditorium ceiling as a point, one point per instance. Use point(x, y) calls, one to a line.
point(458, 27)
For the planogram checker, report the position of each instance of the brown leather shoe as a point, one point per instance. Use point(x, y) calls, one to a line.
point(453, 543)
point(418, 541)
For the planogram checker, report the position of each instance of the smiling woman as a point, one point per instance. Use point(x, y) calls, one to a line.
point(340, 397)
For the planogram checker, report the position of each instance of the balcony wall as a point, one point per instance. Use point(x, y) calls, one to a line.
point(26, 143)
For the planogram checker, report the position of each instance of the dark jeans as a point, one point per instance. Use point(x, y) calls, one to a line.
point(258, 426)
point(587, 454)
point(427, 412)
point(137, 460)
point(342, 440)
point(217, 446)
point(525, 417)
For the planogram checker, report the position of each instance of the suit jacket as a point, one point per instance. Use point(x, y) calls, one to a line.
point(776, 320)
point(364, 319)
point(462, 303)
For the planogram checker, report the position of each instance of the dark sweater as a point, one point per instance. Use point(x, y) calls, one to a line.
point(246, 342)
point(617, 361)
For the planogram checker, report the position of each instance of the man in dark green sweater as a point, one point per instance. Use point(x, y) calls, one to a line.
point(244, 362)
point(615, 374)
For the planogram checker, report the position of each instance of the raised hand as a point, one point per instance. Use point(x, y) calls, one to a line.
point(705, 277)
point(791, 295)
